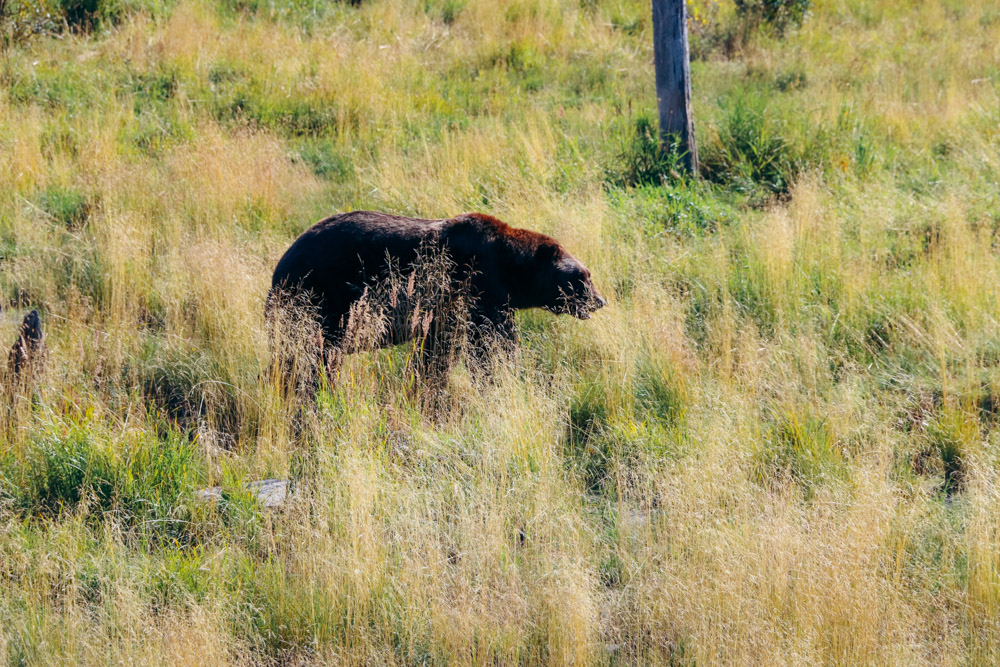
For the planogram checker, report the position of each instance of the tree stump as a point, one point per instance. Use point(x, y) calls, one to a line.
point(26, 355)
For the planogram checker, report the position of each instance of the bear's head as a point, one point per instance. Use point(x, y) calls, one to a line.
point(565, 284)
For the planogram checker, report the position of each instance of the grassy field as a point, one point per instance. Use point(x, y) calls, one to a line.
point(779, 443)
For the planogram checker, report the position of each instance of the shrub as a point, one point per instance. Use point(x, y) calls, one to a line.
point(21, 19)
point(642, 159)
point(748, 152)
point(88, 15)
point(777, 14)
point(725, 28)
point(81, 14)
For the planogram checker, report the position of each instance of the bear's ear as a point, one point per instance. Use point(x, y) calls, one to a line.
point(547, 252)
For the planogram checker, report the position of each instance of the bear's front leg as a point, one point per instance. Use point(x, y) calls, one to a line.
point(492, 340)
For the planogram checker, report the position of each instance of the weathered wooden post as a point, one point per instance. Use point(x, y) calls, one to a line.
point(673, 77)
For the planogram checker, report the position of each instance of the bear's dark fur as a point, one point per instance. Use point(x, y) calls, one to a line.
point(343, 260)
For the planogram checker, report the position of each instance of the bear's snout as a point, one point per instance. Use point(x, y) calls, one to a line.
point(593, 302)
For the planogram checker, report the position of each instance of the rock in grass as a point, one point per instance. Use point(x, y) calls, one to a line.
point(270, 493)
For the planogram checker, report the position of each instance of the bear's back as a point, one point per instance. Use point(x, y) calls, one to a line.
point(350, 243)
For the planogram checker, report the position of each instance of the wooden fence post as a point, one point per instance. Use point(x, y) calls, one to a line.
point(673, 77)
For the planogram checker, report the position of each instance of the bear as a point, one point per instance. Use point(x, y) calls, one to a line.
point(411, 273)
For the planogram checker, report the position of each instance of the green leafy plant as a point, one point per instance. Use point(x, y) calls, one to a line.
point(776, 14)
point(748, 151)
point(22, 19)
point(643, 159)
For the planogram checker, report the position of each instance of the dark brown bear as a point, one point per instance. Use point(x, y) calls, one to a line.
point(350, 258)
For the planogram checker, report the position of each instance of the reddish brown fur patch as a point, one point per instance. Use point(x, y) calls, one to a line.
point(525, 239)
